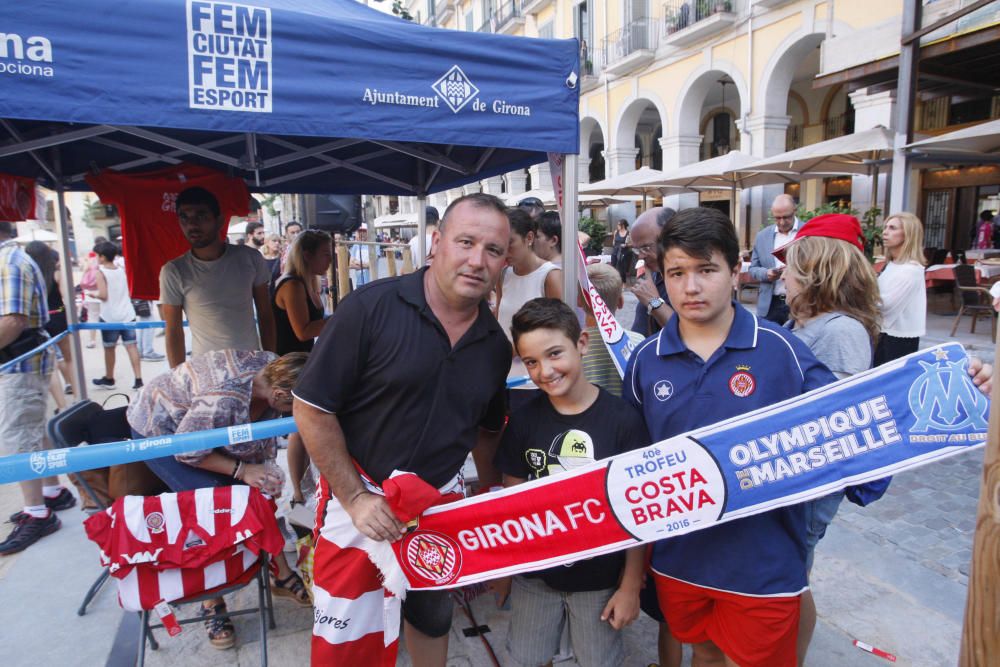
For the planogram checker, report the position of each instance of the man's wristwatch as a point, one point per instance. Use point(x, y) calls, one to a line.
point(655, 303)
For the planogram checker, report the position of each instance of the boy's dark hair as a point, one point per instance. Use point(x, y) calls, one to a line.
point(107, 250)
point(479, 200)
point(550, 225)
point(197, 196)
point(545, 313)
point(521, 221)
point(252, 227)
point(699, 231)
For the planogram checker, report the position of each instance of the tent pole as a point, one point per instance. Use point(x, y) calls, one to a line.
point(570, 209)
point(422, 249)
point(69, 295)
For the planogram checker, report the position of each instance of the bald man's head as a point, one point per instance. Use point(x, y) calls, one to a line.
point(645, 232)
point(783, 212)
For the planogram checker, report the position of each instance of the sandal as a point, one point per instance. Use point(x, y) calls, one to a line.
point(221, 633)
point(291, 587)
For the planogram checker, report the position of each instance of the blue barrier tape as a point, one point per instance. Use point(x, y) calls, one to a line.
point(30, 353)
point(36, 465)
point(100, 326)
point(45, 463)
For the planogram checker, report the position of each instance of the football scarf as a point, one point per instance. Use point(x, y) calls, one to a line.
point(904, 414)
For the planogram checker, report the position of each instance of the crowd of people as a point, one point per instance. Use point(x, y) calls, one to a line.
point(410, 373)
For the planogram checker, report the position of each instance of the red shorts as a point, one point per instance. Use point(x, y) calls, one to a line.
point(752, 631)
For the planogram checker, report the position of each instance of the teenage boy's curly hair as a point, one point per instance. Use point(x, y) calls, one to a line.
point(543, 313)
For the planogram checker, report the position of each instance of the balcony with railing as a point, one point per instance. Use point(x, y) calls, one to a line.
point(632, 46)
point(794, 137)
point(688, 21)
point(508, 17)
point(838, 126)
point(443, 11)
point(591, 65)
point(535, 6)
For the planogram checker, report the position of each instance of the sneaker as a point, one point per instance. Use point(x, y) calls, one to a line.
point(155, 356)
point(28, 531)
point(63, 501)
point(104, 383)
point(138, 384)
point(68, 390)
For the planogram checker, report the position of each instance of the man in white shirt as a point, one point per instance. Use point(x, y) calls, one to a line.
point(359, 259)
point(765, 267)
point(217, 285)
point(431, 225)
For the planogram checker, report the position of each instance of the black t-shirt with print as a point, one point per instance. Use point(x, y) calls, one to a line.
point(539, 442)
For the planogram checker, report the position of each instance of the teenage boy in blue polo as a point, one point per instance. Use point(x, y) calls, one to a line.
point(571, 423)
point(732, 590)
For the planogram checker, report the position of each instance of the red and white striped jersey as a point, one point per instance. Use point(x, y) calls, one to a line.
point(176, 545)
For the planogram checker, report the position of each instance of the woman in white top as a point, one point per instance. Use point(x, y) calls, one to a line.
point(527, 277)
point(902, 287)
point(116, 306)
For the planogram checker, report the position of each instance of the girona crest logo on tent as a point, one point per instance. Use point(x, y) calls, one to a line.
point(432, 556)
point(455, 89)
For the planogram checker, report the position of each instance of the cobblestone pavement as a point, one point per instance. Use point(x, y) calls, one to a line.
point(928, 514)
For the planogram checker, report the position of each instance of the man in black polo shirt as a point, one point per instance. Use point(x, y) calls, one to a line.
point(408, 375)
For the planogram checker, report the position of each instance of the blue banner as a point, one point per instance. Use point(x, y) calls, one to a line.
point(906, 413)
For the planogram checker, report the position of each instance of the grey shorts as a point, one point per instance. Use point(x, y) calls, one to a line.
point(23, 401)
point(538, 614)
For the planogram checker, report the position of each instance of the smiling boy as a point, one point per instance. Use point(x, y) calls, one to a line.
point(570, 424)
point(731, 590)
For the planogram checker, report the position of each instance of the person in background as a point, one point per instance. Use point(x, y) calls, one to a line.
point(526, 277)
point(653, 310)
point(983, 231)
point(218, 286)
point(116, 307)
point(256, 236)
point(533, 206)
point(902, 287)
point(432, 217)
point(548, 238)
point(299, 319)
point(272, 251)
point(765, 267)
point(47, 260)
point(292, 229)
point(359, 258)
point(144, 313)
point(834, 309)
point(88, 283)
point(620, 252)
point(23, 315)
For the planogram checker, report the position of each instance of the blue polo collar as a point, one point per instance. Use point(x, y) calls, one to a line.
point(742, 334)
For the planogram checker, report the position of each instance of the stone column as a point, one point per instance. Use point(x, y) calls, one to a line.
point(760, 136)
point(493, 185)
point(541, 176)
point(620, 160)
point(870, 110)
point(583, 169)
point(516, 181)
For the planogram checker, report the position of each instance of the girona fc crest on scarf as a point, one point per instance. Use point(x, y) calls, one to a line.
point(432, 556)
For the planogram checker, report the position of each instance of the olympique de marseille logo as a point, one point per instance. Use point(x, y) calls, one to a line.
point(944, 399)
point(455, 89)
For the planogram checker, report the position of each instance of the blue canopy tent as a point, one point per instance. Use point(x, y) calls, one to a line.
point(295, 96)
